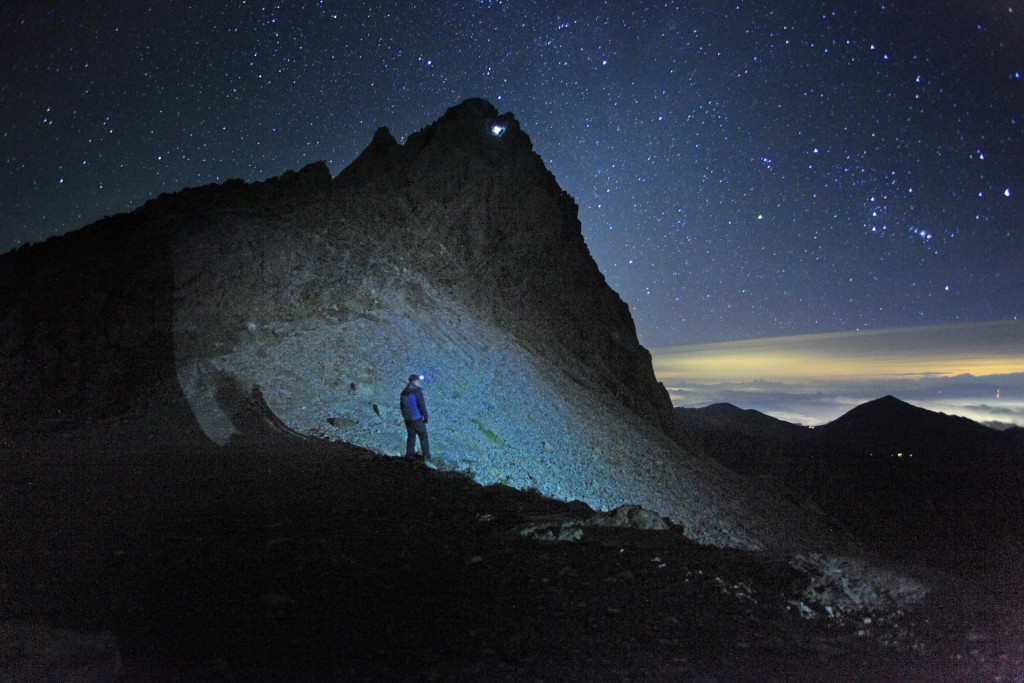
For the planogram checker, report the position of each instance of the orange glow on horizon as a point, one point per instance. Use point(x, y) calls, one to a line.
point(906, 353)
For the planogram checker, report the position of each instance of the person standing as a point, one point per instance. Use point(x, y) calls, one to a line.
point(414, 412)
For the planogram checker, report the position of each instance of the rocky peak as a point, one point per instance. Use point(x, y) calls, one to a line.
point(469, 137)
point(488, 222)
point(455, 254)
point(379, 163)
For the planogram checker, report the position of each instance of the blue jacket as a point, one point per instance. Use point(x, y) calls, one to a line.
point(412, 403)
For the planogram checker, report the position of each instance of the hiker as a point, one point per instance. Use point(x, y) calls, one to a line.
point(414, 412)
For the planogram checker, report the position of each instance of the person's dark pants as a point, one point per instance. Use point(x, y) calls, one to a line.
point(414, 428)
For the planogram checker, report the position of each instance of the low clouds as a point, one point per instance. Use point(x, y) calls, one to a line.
point(976, 371)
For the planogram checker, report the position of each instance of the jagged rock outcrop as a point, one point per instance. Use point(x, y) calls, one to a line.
point(455, 254)
point(482, 217)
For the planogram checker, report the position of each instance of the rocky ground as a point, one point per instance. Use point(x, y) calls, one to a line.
point(279, 559)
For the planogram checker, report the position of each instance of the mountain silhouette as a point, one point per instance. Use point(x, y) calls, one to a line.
point(726, 416)
point(916, 484)
point(890, 424)
point(455, 255)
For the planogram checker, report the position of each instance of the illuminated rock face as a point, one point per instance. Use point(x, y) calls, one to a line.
point(482, 218)
point(455, 255)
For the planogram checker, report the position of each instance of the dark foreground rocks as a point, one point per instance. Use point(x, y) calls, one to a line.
point(278, 558)
point(36, 652)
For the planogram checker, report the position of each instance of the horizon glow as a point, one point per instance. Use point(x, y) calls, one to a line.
point(972, 370)
point(978, 349)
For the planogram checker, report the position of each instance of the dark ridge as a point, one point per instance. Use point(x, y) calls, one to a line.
point(889, 424)
point(914, 483)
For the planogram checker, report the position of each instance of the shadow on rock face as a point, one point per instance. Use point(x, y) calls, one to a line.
point(254, 421)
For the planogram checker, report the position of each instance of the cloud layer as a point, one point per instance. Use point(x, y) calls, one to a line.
point(972, 370)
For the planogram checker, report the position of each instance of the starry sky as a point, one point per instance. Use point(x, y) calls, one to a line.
point(744, 169)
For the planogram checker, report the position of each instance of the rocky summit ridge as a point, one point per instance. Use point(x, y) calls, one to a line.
point(455, 255)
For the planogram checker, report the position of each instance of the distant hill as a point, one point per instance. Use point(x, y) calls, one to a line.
point(888, 425)
point(746, 421)
point(758, 446)
point(916, 483)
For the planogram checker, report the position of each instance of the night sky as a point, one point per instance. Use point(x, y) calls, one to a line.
point(743, 169)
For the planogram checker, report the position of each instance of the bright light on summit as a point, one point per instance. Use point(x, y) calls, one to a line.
point(497, 130)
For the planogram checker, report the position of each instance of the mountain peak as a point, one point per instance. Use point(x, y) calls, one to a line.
point(474, 117)
point(455, 255)
point(471, 203)
point(470, 141)
point(887, 409)
point(889, 420)
point(888, 401)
